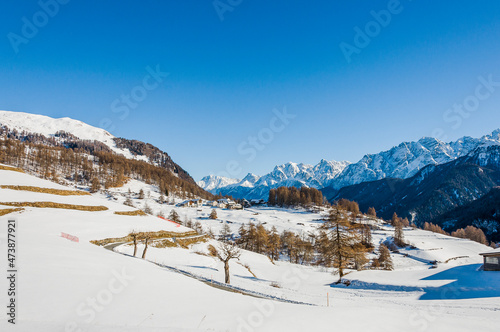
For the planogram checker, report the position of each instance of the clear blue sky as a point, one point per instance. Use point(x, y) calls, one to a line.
point(226, 76)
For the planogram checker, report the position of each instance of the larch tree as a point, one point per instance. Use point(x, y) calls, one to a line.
point(394, 219)
point(343, 238)
point(323, 248)
point(174, 216)
point(147, 209)
point(366, 236)
point(384, 260)
point(359, 257)
point(243, 240)
point(213, 214)
point(128, 202)
point(95, 186)
point(274, 244)
point(290, 244)
point(262, 239)
point(399, 238)
point(226, 233)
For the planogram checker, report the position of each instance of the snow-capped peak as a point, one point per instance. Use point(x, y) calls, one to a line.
point(212, 182)
point(250, 179)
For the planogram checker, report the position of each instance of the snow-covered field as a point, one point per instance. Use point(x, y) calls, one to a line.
point(69, 286)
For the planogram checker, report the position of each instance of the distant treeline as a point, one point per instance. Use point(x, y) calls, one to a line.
point(291, 196)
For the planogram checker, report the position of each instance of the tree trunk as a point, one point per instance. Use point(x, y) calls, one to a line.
point(339, 244)
point(145, 249)
point(226, 271)
point(135, 246)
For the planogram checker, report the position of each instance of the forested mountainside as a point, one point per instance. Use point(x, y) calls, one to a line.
point(483, 213)
point(434, 191)
point(65, 156)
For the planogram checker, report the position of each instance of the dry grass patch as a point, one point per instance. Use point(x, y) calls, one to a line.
point(143, 235)
point(165, 243)
point(131, 213)
point(53, 205)
point(183, 243)
point(3, 212)
point(47, 190)
point(10, 168)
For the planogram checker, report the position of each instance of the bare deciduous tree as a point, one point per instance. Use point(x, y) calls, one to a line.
point(146, 240)
point(134, 235)
point(225, 252)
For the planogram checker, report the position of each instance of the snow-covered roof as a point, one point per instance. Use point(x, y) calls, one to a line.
point(492, 252)
point(224, 200)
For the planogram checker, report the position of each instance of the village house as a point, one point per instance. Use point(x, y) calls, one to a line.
point(191, 203)
point(236, 207)
point(225, 203)
point(491, 260)
point(257, 202)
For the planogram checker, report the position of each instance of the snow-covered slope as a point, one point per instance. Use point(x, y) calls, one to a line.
point(402, 161)
point(71, 286)
point(47, 126)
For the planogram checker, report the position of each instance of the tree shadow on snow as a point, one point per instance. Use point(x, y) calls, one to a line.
point(466, 282)
point(469, 283)
point(202, 267)
point(251, 278)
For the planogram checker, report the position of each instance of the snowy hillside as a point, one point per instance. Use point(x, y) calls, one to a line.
point(67, 285)
point(47, 126)
point(402, 161)
point(48, 133)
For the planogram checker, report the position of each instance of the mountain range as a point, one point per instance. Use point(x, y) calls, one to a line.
point(401, 162)
point(290, 174)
